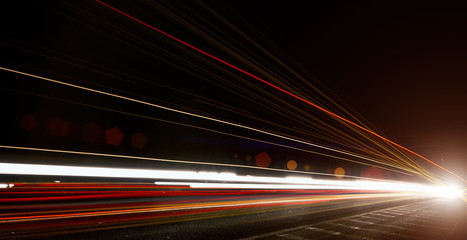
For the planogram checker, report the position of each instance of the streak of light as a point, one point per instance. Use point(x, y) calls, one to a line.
point(279, 183)
point(167, 160)
point(410, 189)
point(58, 170)
point(283, 90)
point(204, 205)
point(203, 117)
point(227, 134)
point(93, 227)
point(298, 116)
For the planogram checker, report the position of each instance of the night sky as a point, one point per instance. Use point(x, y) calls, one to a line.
point(401, 66)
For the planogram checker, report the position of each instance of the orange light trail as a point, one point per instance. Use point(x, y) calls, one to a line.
point(96, 206)
point(223, 198)
point(284, 91)
point(184, 206)
point(193, 115)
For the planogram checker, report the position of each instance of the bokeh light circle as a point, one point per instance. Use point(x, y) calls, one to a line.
point(339, 172)
point(291, 164)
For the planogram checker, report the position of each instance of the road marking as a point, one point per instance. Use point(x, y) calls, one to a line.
point(343, 225)
point(360, 221)
point(323, 230)
point(276, 233)
point(399, 214)
point(383, 215)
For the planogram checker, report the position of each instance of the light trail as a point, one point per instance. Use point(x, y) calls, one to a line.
point(89, 206)
point(210, 130)
point(202, 205)
point(204, 117)
point(193, 215)
point(217, 180)
point(171, 160)
point(283, 90)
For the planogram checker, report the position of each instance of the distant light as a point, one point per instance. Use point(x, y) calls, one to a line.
point(262, 160)
point(339, 172)
point(56, 181)
point(452, 192)
point(138, 140)
point(114, 136)
point(291, 165)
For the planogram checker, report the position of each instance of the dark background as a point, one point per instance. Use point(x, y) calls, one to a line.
point(400, 65)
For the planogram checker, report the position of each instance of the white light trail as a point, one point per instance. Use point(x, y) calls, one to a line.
point(223, 180)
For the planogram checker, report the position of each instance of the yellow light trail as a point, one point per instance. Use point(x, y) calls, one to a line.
point(204, 117)
point(282, 90)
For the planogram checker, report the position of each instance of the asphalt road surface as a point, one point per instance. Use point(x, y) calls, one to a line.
point(367, 218)
point(435, 219)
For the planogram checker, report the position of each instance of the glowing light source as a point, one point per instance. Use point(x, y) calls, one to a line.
point(452, 192)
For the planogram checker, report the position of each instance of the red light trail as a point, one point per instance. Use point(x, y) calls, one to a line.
point(283, 90)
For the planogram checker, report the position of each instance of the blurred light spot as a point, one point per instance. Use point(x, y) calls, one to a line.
point(235, 155)
point(291, 165)
point(307, 167)
point(114, 136)
point(262, 160)
point(248, 157)
point(28, 122)
point(138, 140)
point(57, 127)
point(372, 172)
point(91, 133)
point(339, 172)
